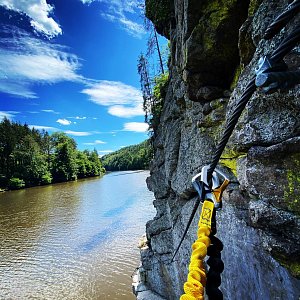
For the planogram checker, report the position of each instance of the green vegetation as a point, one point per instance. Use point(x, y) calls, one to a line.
point(159, 93)
point(291, 193)
point(29, 157)
point(160, 13)
point(15, 183)
point(135, 157)
point(290, 263)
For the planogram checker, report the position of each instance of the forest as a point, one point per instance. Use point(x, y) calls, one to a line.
point(136, 157)
point(29, 157)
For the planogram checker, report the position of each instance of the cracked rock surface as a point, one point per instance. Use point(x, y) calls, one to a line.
point(215, 47)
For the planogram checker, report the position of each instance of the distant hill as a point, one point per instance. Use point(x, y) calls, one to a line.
point(136, 157)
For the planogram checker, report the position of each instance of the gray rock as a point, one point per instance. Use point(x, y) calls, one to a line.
point(259, 224)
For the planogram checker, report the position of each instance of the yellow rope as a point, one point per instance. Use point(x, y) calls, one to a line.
point(196, 279)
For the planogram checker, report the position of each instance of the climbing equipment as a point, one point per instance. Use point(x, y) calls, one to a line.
point(271, 75)
point(202, 186)
point(196, 281)
point(207, 243)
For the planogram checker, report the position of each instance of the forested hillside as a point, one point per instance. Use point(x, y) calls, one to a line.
point(134, 157)
point(30, 157)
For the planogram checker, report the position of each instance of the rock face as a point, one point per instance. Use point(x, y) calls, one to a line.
point(215, 47)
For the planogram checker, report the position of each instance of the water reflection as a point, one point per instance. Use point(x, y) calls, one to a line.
point(73, 240)
point(102, 237)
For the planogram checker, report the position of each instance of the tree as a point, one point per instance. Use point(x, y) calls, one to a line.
point(29, 162)
point(146, 86)
point(32, 157)
point(136, 157)
point(96, 165)
point(64, 166)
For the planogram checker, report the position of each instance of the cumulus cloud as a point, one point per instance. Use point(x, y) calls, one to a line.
point(122, 12)
point(78, 133)
point(25, 61)
point(38, 12)
point(64, 122)
point(136, 127)
point(122, 100)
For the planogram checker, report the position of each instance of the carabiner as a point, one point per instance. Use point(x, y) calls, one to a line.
point(213, 192)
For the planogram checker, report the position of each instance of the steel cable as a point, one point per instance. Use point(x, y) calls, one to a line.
point(288, 43)
point(282, 20)
point(278, 54)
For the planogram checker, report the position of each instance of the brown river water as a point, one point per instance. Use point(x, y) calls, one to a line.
point(75, 240)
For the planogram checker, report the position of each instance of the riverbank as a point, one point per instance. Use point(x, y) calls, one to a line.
point(7, 189)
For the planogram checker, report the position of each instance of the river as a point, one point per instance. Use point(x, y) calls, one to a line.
point(75, 240)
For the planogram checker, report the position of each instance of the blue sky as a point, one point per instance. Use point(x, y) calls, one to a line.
point(71, 66)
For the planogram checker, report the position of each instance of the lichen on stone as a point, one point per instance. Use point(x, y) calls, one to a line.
point(229, 159)
point(292, 189)
point(253, 6)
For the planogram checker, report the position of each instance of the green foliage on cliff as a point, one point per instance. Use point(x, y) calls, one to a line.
point(29, 157)
point(159, 93)
point(159, 12)
point(136, 157)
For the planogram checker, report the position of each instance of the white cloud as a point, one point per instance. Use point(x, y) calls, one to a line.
point(78, 118)
point(78, 133)
point(105, 151)
point(50, 111)
point(122, 12)
point(86, 1)
point(112, 93)
point(126, 112)
point(136, 127)
point(41, 127)
point(96, 142)
point(38, 11)
point(8, 114)
point(64, 122)
point(25, 61)
point(18, 89)
point(123, 100)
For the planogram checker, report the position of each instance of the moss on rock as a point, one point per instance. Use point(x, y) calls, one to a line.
point(293, 265)
point(212, 50)
point(292, 188)
point(159, 12)
point(253, 6)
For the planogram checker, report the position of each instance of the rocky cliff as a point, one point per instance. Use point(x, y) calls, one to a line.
point(215, 47)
